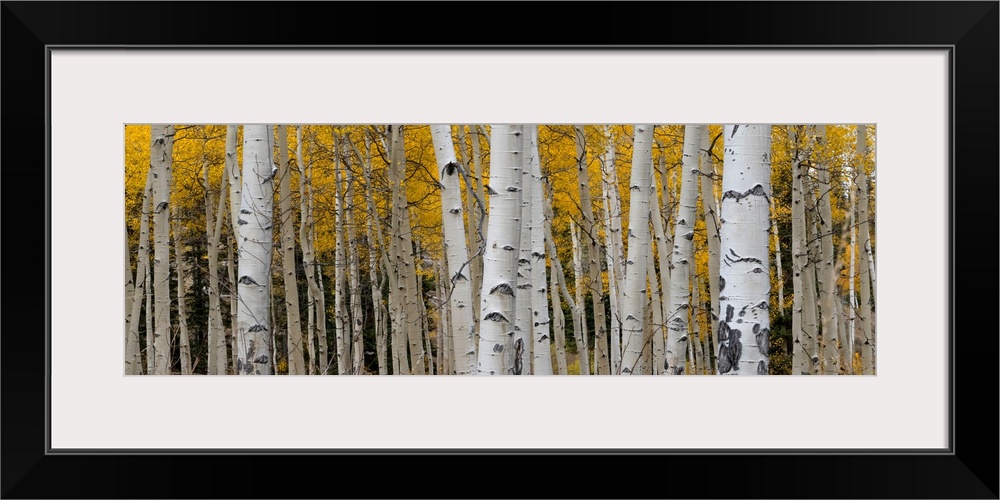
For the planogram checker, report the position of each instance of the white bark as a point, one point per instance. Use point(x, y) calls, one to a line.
point(411, 293)
point(745, 286)
point(522, 324)
point(234, 308)
point(850, 279)
point(502, 244)
point(811, 300)
point(590, 253)
point(295, 343)
point(217, 355)
point(354, 280)
point(680, 287)
point(711, 214)
point(634, 289)
point(235, 188)
point(803, 302)
point(826, 272)
point(161, 159)
point(657, 365)
point(456, 252)
point(866, 271)
point(663, 255)
point(541, 350)
point(580, 334)
point(558, 322)
point(615, 252)
point(148, 270)
point(377, 304)
point(474, 268)
point(127, 309)
point(305, 184)
point(341, 322)
point(696, 328)
point(235, 182)
point(320, 294)
point(184, 343)
point(479, 243)
point(381, 339)
point(256, 234)
point(561, 279)
point(133, 345)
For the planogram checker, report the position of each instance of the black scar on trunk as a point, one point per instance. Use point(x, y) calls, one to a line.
point(518, 352)
point(495, 316)
point(757, 190)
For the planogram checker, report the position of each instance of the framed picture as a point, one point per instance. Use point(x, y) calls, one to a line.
point(924, 73)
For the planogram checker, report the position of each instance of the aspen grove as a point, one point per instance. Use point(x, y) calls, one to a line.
point(500, 249)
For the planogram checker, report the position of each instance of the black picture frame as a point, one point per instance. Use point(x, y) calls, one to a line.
point(967, 470)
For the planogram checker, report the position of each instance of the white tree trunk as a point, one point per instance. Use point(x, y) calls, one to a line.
point(542, 352)
point(558, 322)
point(745, 284)
point(148, 269)
point(866, 271)
point(411, 293)
point(235, 188)
point(657, 360)
point(127, 310)
point(161, 159)
point(522, 324)
point(253, 332)
point(711, 214)
point(813, 294)
point(591, 253)
point(444, 353)
point(696, 328)
point(235, 182)
point(580, 334)
point(826, 270)
point(456, 252)
point(804, 339)
point(680, 287)
point(133, 345)
point(217, 355)
point(234, 308)
point(560, 279)
point(474, 209)
point(295, 343)
point(615, 252)
point(184, 342)
point(662, 300)
point(305, 219)
point(634, 289)
point(851, 305)
point(341, 321)
point(381, 338)
point(502, 244)
point(354, 275)
point(377, 304)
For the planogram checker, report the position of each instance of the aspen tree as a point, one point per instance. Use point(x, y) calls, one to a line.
point(253, 332)
point(634, 289)
point(744, 283)
point(680, 287)
point(161, 159)
point(500, 260)
point(293, 338)
point(456, 252)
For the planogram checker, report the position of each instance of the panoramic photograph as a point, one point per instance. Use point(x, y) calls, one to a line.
point(499, 249)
